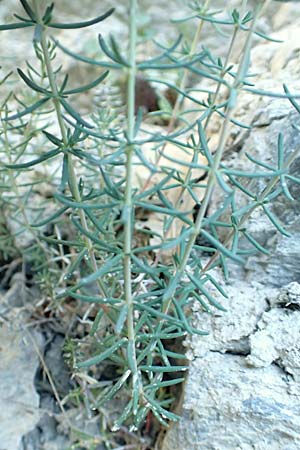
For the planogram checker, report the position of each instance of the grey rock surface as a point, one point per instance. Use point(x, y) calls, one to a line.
point(230, 331)
point(277, 336)
point(243, 389)
point(46, 435)
point(19, 401)
point(231, 406)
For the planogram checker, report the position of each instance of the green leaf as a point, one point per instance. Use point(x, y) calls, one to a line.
point(23, 19)
point(130, 355)
point(89, 86)
point(111, 187)
point(217, 244)
point(285, 189)
point(206, 293)
point(28, 110)
point(275, 221)
point(121, 319)
point(163, 384)
point(48, 14)
point(216, 284)
point(84, 59)
point(291, 98)
point(178, 65)
point(64, 173)
point(167, 50)
point(76, 262)
point(184, 320)
point(69, 26)
point(74, 114)
point(287, 95)
point(50, 219)
point(106, 268)
point(144, 160)
point(259, 163)
point(81, 205)
point(204, 145)
point(52, 138)
point(34, 162)
point(96, 322)
point(140, 416)
point(117, 53)
point(144, 267)
point(147, 336)
point(264, 36)
point(167, 244)
point(164, 413)
point(14, 26)
point(156, 313)
point(100, 243)
point(202, 302)
point(192, 165)
point(255, 243)
point(127, 410)
point(62, 242)
point(31, 84)
point(28, 9)
point(64, 84)
point(105, 355)
point(98, 224)
point(111, 54)
point(256, 174)
point(168, 211)
point(163, 369)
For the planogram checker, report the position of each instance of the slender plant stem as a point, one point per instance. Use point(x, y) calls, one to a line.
point(267, 190)
point(128, 212)
point(189, 172)
point(71, 171)
point(182, 87)
point(228, 56)
point(233, 90)
point(15, 188)
point(184, 78)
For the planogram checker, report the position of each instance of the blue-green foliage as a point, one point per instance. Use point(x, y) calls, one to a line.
point(94, 208)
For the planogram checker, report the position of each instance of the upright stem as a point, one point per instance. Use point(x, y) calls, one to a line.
point(228, 56)
point(214, 98)
point(71, 171)
point(184, 79)
point(263, 195)
point(182, 87)
point(242, 70)
point(128, 212)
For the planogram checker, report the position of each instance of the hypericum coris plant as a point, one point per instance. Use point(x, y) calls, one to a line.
point(139, 282)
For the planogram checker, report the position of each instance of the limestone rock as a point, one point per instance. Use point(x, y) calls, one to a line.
point(235, 401)
point(278, 335)
point(19, 402)
point(289, 297)
point(231, 406)
point(230, 331)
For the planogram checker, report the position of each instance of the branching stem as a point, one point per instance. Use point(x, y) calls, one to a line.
point(242, 71)
point(72, 175)
point(182, 87)
point(128, 211)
